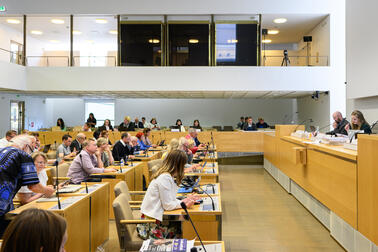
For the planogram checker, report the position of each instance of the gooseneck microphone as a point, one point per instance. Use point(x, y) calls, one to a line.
point(299, 124)
point(57, 183)
point(212, 201)
point(190, 219)
point(373, 125)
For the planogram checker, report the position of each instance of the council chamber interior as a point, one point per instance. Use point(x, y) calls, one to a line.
point(272, 106)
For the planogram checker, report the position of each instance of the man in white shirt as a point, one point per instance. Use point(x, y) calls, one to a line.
point(4, 142)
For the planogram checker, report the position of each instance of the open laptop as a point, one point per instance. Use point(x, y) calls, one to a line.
point(46, 148)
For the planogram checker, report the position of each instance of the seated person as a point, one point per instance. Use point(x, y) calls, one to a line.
point(135, 144)
point(196, 125)
point(138, 124)
point(36, 230)
point(106, 126)
point(161, 196)
point(141, 141)
point(76, 144)
point(193, 140)
point(249, 125)
point(358, 122)
point(4, 142)
point(173, 145)
point(154, 124)
point(261, 124)
point(86, 128)
point(86, 163)
point(64, 150)
point(123, 148)
point(241, 123)
point(37, 143)
point(338, 124)
point(105, 134)
point(105, 152)
point(126, 125)
point(179, 125)
point(147, 134)
point(145, 123)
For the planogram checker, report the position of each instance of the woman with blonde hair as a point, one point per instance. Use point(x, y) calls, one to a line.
point(161, 196)
point(105, 152)
point(173, 145)
point(358, 122)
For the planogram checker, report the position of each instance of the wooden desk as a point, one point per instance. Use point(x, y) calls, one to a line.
point(77, 218)
point(113, 178)
point(208, 245)
point(210, 157)
point(207, 176)
point(208, 223)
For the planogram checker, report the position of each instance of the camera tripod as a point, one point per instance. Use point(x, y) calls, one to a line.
point(285, 60)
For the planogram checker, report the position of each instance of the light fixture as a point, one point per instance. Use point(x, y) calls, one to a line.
point(54, 41)
point(232, 41)
point(273, 32)
point(193, 41)
point(280, 20)
point(13, 21)
point(57, 21)
point(266, 41)
point(114, 32)
point(101, 21)
point(77, 32)
point(89, 41)
point(35, 32)
point(153, 41)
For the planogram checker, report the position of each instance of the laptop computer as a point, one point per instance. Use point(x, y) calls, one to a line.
point(46, 148)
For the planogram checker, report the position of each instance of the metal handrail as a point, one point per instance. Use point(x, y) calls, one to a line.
point(13, 53)
point(47, 59)
point(112, 57)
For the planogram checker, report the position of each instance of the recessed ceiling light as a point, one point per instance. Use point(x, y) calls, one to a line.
point(101, 21)
point(77, 32)
point(280, 20)
point(193, 41)
point(153, 41)
point(13, 21)
point(36, 32)
point(273, 32)
point(114, 32)
point(232, 41)
point(266, 41)
point(57, 21)
point(54, 41)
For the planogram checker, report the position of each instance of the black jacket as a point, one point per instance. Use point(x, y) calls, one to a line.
point(123, 127)
point(252, 128)
point(120, 151)
point(104, 128)
point(340, 129)
point(75, 144)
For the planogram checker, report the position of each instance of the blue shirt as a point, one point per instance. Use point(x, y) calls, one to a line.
point(142, 145)
point(16, 169)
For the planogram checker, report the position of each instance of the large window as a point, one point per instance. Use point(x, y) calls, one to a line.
point(102, 110)
point(11, 39)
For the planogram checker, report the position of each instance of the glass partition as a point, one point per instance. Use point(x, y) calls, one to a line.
point(11, 39)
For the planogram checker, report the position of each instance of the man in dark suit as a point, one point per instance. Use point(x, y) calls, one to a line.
point(241, 123)
point(249, 125)
point(126, 125)
point(123, 148)
point(339, 124)
point(76, 144)
point(138, 124)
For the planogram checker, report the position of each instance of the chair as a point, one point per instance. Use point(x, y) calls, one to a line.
point(122, 188)
point(228, 128)
point(153, 166)
point(77, 128)
point(218, 128)
point(126, 224)
point(56, 128)
point(62, 172)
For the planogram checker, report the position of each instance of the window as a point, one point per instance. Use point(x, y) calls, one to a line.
point(11, 39)
point(102, 110)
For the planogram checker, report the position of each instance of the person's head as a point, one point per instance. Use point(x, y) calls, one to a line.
point(173, 164)
point(153, 121)
point(134, 140)
point(24, 142)
point(178, 122)
point(261, 120)
point(40, 160)
point(183, 144)
point(136, 120)
point(10, 134)
point(36, 135)
point(102, 143)
point(90, 145)
point(67, 140)
point(91, 116)
point(125, 137)
point(337, 116)
point(81, 138)
point(126, 120)
point(107, 123)
point(173, 144)
point(146, 132)
point(196, 123)
point(139, 135)
point(86, 127)
point(104, 134)
point(36, 230)
point(143, 120)
point(242, 119)
point(60, 123)
point(249, 120)
point(357, 119)
point(193, 132)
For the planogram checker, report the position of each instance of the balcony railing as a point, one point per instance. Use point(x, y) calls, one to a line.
point(295, 61)
point(11, 57)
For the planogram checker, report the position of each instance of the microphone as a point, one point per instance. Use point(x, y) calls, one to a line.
point(299, 124)
point(373, 125)
point(57, 183)
point(85, 180)
point(212, 201)
point(326, 126)
point(190, 219)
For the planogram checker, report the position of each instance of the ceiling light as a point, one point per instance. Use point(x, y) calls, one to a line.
point(57, 21)
point(13, 21)
point(193, 41)
point(273, 32)
point(101, 21)
point(232, 41)
point(36, 32)
point(54, 41)
point(266, 41)
point(89, 41)
point(114, 32)
point(280, 20)
point(77, 32)
point(153, 41)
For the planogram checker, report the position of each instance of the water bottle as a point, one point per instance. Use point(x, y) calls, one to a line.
point(122, 164)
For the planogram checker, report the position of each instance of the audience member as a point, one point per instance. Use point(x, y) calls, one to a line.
point(105, 134)
point(4, 142)
point(184, 146)
point(134, 143)
point(60, 123)
point(249, 125)
point(358, 122)
point(36, 230)
point(154, 124)
point(173, 145)
point(261, 124)
point(138, 124)
point(106, 126)
point(147, 134)
point(193, 140)
point(64, 150)
point(179, 125)
point(105, 152)
point(17, 169)
point(141, 141)
point(86, 128)
point(338, 124)
point(126, 125)
point(76, 145)
point(241, 123)
point(87, 162)
point(91, 121)
point(37, 142)
point(123, 148)
point(145, 123)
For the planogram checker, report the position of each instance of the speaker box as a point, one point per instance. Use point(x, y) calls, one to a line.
point(307, 38)
point(264, 31)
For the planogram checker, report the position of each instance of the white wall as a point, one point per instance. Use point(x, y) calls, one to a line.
point(368, 106)
point(71, 110)
point(12, 76)
point(6, 36)
point(317, 110)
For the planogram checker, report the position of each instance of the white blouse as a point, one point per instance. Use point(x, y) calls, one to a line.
point(160, 196)
point(42, 176)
